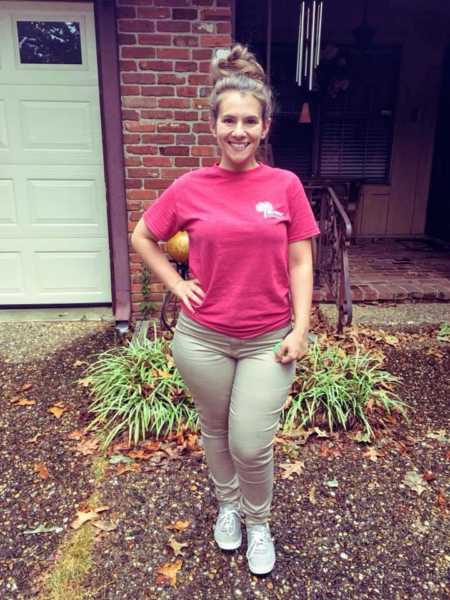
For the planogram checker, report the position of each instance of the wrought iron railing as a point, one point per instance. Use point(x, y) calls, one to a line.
point(331, 267)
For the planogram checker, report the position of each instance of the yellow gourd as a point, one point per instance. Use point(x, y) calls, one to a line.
point(178, 247)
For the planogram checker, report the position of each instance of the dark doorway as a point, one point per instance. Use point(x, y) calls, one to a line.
point(438, 213)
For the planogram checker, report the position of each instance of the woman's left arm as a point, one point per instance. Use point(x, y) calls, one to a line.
point(295, 345)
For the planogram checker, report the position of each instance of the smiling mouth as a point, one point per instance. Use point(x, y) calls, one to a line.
point(239, 146)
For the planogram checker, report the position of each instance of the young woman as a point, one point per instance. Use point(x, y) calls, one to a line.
point(245, 312)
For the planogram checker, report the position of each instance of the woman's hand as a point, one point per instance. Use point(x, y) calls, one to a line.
point(293, 347)
point(189, 291)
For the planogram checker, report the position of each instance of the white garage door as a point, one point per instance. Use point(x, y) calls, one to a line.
point(53, 224)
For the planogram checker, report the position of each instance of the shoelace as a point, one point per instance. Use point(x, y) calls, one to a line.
point(259, 541)
point(226, 521)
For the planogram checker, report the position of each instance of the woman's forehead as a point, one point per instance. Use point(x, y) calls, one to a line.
point(240, 103)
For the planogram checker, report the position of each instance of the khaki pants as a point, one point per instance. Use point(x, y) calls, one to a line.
point(239, 390)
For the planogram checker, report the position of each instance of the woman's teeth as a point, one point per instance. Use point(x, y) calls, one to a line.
point(238, 146)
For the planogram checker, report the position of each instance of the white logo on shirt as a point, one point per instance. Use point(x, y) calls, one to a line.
point(268, 211)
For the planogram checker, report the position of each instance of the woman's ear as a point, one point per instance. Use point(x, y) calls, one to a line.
point(266, 128)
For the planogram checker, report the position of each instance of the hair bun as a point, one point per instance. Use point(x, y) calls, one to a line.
point(238, 61)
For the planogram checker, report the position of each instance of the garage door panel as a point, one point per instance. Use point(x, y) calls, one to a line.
point(69, 273)
point(8, 203)
point(4, 143)
point(64, 202)
point(12, 280)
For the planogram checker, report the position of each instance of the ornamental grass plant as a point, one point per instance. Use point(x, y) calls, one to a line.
point(335, 388)
point(137, 389)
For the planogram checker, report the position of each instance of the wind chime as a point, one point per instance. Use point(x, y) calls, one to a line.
point(309, 36)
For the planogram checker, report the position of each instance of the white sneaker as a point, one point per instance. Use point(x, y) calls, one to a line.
point(261, 550)
point(227, 530)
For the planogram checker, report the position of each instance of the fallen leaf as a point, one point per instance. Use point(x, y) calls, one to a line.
point(179, 525)
point(168, 572)
point(35, 438)
point(415, 481)
point(80, 363)
point(292, 468)
point(440, 435)
point(44, 529)
point(83, 517)
point(441, 501)
point(57, 410)
point(87, 446)
point(192, 441)
point(42, 470)
point(312, 495)
point(139, 454)
point(121, 468)
point(24, 402)
point(25, 387)
point(332, 483)
point(429, 476)
point(119, 458)
point(75, 435)
point(104, 525)
point(360, 436)
point(320, 432)
point(372, 454)
point(152, 445)
point(177, 546)
point(86, 382)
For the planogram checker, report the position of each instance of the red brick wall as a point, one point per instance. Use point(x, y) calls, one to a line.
point(165, 51)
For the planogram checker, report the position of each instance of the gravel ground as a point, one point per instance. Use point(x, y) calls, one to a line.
point(347, 527)
point(391, 314)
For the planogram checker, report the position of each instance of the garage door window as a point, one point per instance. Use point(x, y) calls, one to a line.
point(49, 42)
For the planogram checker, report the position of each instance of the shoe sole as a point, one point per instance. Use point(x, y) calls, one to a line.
point(230, 546)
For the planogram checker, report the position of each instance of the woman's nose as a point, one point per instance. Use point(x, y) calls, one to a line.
point(238, 129)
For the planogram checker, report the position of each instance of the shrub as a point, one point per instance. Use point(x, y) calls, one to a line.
point(336, 389)
point(137, 388)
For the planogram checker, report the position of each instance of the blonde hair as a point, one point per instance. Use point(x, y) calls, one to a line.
point(239, 71)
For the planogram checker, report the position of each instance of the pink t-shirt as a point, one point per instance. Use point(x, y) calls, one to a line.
point(239, 226)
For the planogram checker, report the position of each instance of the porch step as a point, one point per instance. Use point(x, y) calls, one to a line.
point(426, 291)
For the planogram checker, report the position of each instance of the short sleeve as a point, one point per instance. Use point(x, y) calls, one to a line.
point(162, 217)
point(302, 224)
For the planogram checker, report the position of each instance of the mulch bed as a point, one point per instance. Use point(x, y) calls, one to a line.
point(346, 526)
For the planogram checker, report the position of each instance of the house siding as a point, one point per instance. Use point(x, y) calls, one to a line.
point(165, 48)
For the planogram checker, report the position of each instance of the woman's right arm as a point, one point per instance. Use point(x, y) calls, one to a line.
point(147, 246)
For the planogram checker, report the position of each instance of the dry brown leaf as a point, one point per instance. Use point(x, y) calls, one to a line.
point(372, 454)
point(25, 387)
point(34, 438)
point(42, 470)
point(86, 382)
point(80, 363)
point(177, 546)
point(312, 495)
point(24, 402)
point(139, 454)
point(179, 525)
point(104, 525)
point(429, 476)
point(168, 572)
point(87, 446)
point(292, 468)
point(77, 434)
point(121, 468)
point(192, 441)
point(57, 410)
point(151, 445)
point(83, 517)
point(441, 501)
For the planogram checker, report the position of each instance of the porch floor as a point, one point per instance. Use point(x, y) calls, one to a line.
point(397, 270)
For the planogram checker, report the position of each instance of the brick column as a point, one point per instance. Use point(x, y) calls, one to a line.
point(165, 52)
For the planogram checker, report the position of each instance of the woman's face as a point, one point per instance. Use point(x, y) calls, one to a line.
point(239, 130)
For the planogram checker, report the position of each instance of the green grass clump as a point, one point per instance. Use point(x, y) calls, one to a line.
point(337, 389)
point(443, 334)
point(137, 388)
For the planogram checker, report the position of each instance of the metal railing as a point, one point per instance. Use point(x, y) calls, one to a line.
point(331, 267)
